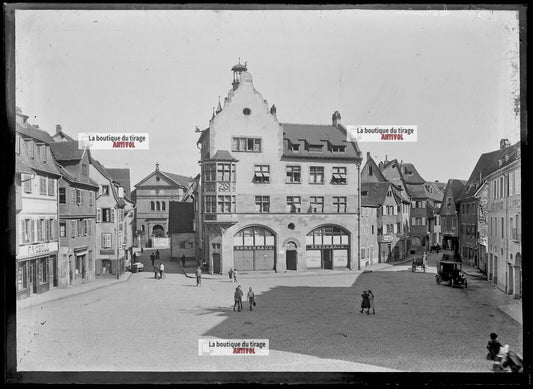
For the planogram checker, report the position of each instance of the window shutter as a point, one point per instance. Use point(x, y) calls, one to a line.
point(89, 222)
point(112, 212)
point(21, 231)
point(99, 215)
point(73, 195)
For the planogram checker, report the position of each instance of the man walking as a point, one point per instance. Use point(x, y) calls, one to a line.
point(152, 258)
point(238, 298)
point(161, 270)
point(251, 298)
point(183, 260)
point(234, 275)
point(157, 254)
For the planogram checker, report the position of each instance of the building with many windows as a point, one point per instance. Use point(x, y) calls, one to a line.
point(276, 195)
point(77, 214)
point(504, 219)
point(152, 196)
point(36, 180)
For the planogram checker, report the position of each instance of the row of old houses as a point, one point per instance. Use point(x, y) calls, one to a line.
point(74, 218)
point(481, 217)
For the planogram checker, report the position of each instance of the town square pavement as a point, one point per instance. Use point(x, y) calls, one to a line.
point(312, 321)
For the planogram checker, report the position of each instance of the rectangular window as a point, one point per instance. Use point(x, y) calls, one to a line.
point(502, 227)
point(42, 185)
point(27, 183)
point(339, 204)
point(51, 187)
point(210, 173)
point(246, 144)
point(262, 174)
point(339, 175)
point(105, 190)
point(106, 240)
point(43, 270)
point(262, 204)
point(84, 169)
point(294, 204)
point(226, 204)
point(62, 196)
point(91, 194)
point(293, 174)
point(501, 187)
point(107, 215)
point(317, 204)
point(316, 175)
point(210, 203)
point(78, 196)
point(31, 147)
point(62, 230)
point(226, 172)
point(294, 146)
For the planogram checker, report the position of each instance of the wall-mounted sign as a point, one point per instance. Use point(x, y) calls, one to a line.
point(326, 246)
point(37, 249)
point(242, 248)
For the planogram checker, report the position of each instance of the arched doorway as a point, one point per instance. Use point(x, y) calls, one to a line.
point(327, 247)
point(291, 255)
point(158, 231)
point(254, 248)
point(416, 241)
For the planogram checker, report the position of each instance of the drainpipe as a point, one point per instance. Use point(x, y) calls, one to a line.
point(359, 215)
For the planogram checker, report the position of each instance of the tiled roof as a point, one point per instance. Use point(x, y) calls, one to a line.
point(20, 166)
point(181, 180)
point(417, 191)
point(223, 155)
point(412, 178)
point(436, 193)
point(122, 176)
point(70, 178)
point(30, 131)
point(376, 193)
point(67, 151)
point(487, 164)
point(317, 134)
point(37, 163)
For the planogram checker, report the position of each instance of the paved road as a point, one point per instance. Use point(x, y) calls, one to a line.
point(313, 324)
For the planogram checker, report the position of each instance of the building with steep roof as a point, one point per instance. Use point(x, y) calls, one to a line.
point(152, 196)
point(393, 206)
point(276, 196)
point(36, 182)
point(473, 205)
point(77, 215)
point(449, 213)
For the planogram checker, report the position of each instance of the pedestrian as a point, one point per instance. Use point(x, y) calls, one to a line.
point(152, 258)
point(157, 254)
point(237, 296)
point(134, 257)
point(234, 275)
point(424, 260)
point(161, 270)
point(198, 276)
point(371, 300)
point(230, 273)
point(365, 303)
point(183, 260)
point(156, 272)
point(251, 298)
point(493, 346)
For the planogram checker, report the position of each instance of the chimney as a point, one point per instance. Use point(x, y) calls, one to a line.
point(336, 118)
point(58, 128)
point(504, 143)
point(273, 110)
point(367, 155)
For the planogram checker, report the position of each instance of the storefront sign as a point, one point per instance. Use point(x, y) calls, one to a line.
point(242, 248)
point(326, 246)
point(37, 249)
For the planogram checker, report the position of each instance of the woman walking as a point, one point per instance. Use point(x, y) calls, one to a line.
point(371, 300)
point(365, 303)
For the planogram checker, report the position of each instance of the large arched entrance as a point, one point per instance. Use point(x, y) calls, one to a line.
point(328, 247)
point(158, 231)
point(254, 248)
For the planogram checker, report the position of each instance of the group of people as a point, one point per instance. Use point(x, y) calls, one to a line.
point(237, 296)
point(503, 358)
point(368, 302)
point(159, 271)
point(154, 256)
point(232, 274)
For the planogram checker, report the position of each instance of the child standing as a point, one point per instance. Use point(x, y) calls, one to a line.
point(493, 346)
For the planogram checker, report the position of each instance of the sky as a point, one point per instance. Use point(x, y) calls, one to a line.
point(453, 74)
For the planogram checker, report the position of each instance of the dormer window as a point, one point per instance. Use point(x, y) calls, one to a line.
point(364, 193)
point(315, 148)
point(337, 149)
point(42, 149)
point(294, 147)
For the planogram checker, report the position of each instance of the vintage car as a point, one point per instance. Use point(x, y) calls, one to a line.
point(450, 272)
point(418, 264)
point(137, 267)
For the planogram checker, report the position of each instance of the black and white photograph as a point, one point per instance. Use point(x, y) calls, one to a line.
point(294, 191)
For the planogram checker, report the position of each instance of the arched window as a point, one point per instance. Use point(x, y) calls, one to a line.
point(158, 206)
point(253, 236)
point(328, 235)
point(163, 206)
point(152, 205)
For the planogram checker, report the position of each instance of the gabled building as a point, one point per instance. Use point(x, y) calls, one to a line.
point(505, 227)
point(77, 214)
point(36, 180)
point(152, 196)
point(276, 196)
point(112, 257)
point(422, 212)
point(449, 214)
point(471, 207)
